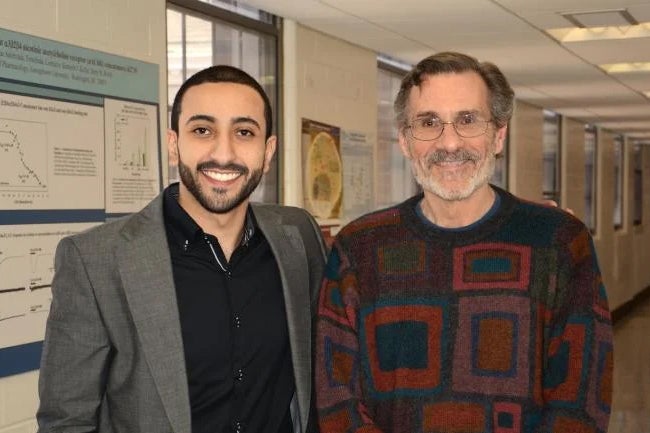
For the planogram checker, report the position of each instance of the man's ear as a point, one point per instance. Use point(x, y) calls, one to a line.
point(500, 139)
point(172, 147)
point(403, 143)
point(269, 151)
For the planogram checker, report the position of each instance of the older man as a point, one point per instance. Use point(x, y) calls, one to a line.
point(463, 309)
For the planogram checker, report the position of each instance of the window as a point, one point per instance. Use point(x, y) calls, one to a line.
point(637, 151)
point(591, 145)
point(500, 176)
point(395, 181)
point(243, 9)
point(551, 156)
point(619, 158)
point(200, 34)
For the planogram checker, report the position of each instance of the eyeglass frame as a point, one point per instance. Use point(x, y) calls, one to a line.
point(442, 130)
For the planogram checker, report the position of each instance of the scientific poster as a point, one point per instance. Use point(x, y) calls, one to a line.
point(358, 172)
point(79, 144)
point(323, 169)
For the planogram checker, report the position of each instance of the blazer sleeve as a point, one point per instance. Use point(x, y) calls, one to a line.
point(316, 257)
point(76, 351)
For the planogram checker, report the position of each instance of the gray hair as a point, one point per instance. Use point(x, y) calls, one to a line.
point(501, 94)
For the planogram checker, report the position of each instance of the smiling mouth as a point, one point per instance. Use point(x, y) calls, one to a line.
point(452, 163)
point(222, 176)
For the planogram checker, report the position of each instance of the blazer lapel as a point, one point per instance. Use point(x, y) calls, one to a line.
point(289, 251)
point(146, 271)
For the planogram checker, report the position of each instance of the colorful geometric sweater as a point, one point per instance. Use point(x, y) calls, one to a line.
point(502, 328)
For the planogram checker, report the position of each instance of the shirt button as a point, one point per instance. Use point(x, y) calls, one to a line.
point(239, 375)
point(237, 321)
point(237, 426)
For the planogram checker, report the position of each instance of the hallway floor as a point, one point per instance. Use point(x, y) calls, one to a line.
point(631, 395)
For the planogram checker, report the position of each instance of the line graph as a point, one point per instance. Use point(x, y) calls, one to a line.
point(23, 156)
point(23, 292)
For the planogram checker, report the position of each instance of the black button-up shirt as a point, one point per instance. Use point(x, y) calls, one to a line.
point(234, 327)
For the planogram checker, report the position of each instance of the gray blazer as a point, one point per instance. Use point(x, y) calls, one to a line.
point(113, 358)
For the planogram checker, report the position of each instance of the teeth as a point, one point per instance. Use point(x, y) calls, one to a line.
point(221, 177)
point(451, 162)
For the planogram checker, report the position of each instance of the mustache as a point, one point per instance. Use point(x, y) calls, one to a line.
point(213, 165)
point(444, 156)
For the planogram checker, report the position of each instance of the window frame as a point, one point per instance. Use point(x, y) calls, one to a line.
point(592, 221)
point(637, 195)
point(619, 182)
point(556, 193)
point(271, 29)
point(397, 70)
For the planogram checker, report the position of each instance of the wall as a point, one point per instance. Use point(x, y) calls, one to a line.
point(525, 151)
point(127, 28)
point(573, 166)
point(622, 253)
point(327, 80)
point(630, 272)
point(604, 236)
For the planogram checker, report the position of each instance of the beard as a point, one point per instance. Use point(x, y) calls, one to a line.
point(216, 200)
point(425, 176)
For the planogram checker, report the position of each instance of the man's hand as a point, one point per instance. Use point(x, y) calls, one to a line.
point(554, 204)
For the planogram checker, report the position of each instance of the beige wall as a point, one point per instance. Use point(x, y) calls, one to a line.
point(623, 254)
point(127, 28)
point(573, 166)
point(630, 271)
point(525, 151)
point(327, 80)
point(604, 236)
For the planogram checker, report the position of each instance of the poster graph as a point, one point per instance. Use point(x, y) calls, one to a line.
point(23, 150)
point(26, 270)
point(131, 139)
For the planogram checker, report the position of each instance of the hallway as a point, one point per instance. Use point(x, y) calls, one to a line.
point(631, 396)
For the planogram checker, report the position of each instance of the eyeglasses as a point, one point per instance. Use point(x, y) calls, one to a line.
point(429, 128)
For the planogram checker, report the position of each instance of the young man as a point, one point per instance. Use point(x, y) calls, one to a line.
point(192, 315)
point(463, 309)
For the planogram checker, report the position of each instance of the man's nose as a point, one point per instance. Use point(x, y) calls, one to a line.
point(223, 150)
point(449, 140)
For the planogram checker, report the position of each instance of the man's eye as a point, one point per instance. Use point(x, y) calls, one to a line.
point(429, 123)
point(201, 131)
point(467, 119)
point(245, 133)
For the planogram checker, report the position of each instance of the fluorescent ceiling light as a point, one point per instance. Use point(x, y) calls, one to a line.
point(625, 68)
point(573, 34)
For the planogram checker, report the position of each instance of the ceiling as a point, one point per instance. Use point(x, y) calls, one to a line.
point(561, 76)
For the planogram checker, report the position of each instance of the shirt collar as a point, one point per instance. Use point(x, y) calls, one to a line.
point(186, 230)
